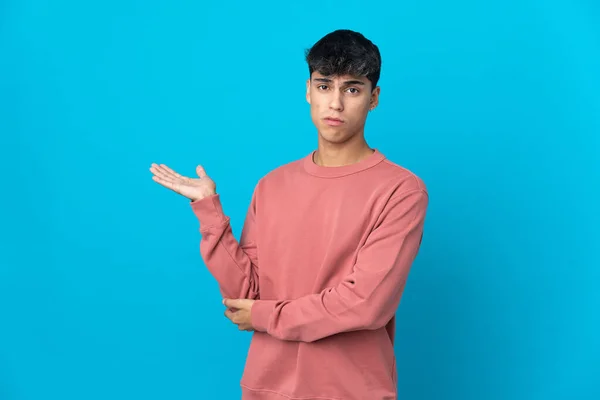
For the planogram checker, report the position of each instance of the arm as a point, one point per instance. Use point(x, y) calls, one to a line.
point(234, 265)
point(369, 296)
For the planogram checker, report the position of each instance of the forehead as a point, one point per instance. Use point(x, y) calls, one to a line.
point(339, 78)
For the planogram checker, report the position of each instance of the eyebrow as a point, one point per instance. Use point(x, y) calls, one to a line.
point(351, 82)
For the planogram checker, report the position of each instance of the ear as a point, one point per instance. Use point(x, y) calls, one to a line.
point(308, 91)
point(374, 98)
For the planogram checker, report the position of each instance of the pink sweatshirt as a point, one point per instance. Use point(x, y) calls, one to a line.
point(326, 252)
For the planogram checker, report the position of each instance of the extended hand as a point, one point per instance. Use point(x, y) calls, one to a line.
point(238, 311)
point(192, 188)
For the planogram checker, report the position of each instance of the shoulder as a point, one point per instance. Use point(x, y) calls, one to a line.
point(279, 175)
point(400, 180)
point(404, 193)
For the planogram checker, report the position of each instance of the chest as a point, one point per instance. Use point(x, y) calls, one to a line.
point(308, 241)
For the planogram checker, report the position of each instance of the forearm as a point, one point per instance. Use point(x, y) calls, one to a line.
point(233, 265)
point(335, 310)
point(367, 298)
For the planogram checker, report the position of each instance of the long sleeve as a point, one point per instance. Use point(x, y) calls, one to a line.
point(369, 296)
point(234, 265)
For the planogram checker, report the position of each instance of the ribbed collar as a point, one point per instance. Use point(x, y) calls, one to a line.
point(336, 172)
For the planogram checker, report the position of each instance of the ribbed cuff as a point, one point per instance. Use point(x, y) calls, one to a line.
point(261, 313)
point(209, 211)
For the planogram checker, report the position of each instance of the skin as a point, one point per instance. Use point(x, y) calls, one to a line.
point(348, 98)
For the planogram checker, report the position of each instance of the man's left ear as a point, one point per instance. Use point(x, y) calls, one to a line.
point(374, 99)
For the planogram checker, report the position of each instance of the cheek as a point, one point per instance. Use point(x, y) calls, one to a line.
point(315, 111)
point(360, 111)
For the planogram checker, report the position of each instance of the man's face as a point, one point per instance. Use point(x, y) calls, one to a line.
point(339, 105)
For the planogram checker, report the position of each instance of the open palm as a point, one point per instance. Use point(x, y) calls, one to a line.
point(192, 188)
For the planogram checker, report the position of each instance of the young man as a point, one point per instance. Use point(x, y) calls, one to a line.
point(326, 246)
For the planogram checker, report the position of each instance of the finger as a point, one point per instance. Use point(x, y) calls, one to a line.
point(184, 180)
point(229, 314)
point(233, 315)
point(166, 171)
point(176, 183)
point(156, 170)
point(233, 303)
point(201, 172)
point(174, 186)
point(170, 171)
point(165, 174)
point(165, 182)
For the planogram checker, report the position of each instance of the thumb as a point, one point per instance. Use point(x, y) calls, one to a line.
point(200, 171)
point(234, 303)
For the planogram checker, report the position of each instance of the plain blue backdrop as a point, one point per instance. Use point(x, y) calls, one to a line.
point(496, 105)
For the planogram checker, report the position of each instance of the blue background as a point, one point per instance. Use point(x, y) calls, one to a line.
point(496, 105)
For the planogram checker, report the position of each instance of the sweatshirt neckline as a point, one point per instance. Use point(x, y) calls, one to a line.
point(336, 172)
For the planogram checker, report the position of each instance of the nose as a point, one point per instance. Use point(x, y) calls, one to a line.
point(336, 101)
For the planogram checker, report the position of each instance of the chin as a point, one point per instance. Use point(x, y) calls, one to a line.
point(335, 136)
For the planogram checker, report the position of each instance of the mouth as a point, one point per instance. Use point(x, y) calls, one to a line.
point(333, 121)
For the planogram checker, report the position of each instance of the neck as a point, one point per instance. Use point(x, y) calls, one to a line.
point(337, 155)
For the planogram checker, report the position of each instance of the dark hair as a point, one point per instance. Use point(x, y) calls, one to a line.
point(345, 52)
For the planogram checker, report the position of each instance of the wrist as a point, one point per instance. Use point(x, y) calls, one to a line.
point(209, 211)
point(203, 196)
point(260, 314)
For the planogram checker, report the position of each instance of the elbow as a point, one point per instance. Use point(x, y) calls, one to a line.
point(380, 310)
point(243, 288)
point(373, 324)
point(376, 319)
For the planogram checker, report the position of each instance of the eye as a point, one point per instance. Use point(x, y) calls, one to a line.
point(353, 90)
point(322, 87)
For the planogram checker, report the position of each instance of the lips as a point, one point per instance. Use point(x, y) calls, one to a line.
point(333, 121)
